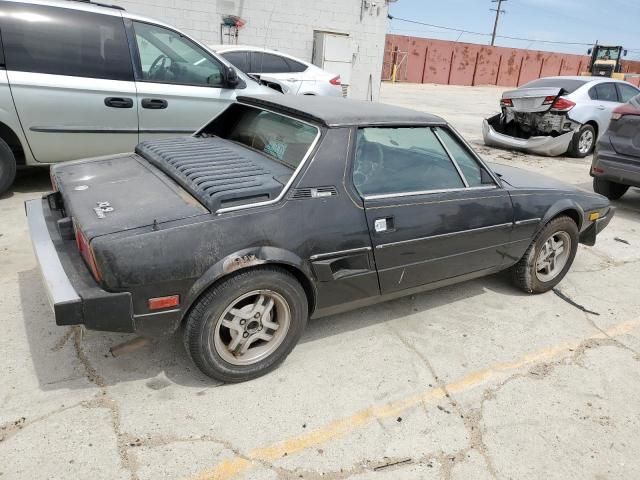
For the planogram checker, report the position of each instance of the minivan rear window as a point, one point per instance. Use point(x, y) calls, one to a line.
point(62, 41)
point(569, 85)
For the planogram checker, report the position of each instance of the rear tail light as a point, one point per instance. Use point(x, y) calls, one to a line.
point(597, 170)
point(548, 100)
point(87, 253)
point(506, 102)
point(336, 81)
point(561, 104)
point(623, 110)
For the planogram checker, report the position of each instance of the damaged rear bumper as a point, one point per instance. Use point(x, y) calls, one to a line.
point(542, 145)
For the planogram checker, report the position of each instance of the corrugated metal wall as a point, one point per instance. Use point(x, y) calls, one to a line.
point(424, 60)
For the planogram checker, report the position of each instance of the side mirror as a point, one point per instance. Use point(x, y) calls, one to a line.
point(231, 77)
point(589, 51)
point(624, 53)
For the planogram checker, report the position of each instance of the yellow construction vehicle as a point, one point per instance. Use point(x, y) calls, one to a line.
point(606, 61)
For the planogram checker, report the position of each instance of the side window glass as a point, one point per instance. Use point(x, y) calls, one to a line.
point(168, 57)
point(268, 63)
point(61, 41)
point(626, 92)
point(593, 94)
point(473, 172)
point(295, 67)
point(607, 92)
point(238, 60)
point(401, 160)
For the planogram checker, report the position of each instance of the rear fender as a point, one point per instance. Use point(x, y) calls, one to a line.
point(244, 259)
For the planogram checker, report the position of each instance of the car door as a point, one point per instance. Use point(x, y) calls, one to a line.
point(276, 67)
point(604, 98)
point(71, 78)
point(434, 211)
point(180, 85)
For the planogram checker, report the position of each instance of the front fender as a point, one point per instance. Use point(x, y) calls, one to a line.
point(243, 259)
point(564, 205)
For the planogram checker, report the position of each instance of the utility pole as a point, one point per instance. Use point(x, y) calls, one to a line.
point(495, 25)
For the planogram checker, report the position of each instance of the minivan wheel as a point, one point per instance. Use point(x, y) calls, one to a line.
point(584, 140)
point(611, 190)
point(7, 167)
point(246, 325)
point(548, 258)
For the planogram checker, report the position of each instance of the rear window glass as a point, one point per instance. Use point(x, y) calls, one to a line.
point(569, 85)
point(281, 138)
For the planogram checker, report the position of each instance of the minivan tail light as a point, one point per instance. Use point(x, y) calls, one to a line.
point(336, 81)
point(623, 110)
point(86, 252)
point(562, 105)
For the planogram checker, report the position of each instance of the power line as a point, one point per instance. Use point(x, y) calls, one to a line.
point(495, 24)
point(488, 34)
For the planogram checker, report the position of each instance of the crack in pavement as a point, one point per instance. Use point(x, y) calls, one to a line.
point(229, 468)
point(472, 419)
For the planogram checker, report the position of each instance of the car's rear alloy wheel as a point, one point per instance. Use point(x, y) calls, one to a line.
point(583, 142)
point(549, 257)
point(247, 324)
point(252, 327)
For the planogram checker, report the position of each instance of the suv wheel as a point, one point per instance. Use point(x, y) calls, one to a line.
point(611, 190)
point(246, 325)
point(7, 167)
point(548, 258)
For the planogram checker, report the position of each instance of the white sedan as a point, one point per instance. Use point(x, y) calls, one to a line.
point(557, 115)
point(292, 75)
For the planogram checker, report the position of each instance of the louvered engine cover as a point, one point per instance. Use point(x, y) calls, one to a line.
point(218, 172)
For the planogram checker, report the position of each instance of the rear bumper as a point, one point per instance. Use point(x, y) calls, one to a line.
point(542, 145)
point(75, 297)
point(616, 168)
point(589, 234)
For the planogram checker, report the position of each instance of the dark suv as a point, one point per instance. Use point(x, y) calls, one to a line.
point(616, 162)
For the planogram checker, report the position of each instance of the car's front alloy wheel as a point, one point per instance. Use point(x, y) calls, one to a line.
point(549, 257)
point(247, 324)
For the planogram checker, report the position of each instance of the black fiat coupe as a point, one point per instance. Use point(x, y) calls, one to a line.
point(285, 208)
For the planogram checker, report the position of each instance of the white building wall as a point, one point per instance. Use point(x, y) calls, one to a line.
point(285, 25)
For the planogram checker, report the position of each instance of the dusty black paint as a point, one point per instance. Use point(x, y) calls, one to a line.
point(159, 240)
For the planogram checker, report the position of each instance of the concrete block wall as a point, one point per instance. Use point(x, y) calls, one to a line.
point(285, 25)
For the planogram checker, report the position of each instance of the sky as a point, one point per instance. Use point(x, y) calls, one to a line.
point(613, 22)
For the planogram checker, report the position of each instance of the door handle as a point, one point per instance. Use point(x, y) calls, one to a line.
point(601, 107)
point(154, 103)
point(382, 225)
point(118, 102)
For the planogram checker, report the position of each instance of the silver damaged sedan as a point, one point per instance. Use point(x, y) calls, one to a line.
point(556, 115)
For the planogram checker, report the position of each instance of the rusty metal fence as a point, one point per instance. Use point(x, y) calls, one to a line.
point(427, 60)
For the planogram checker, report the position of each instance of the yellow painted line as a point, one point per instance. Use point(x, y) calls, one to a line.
point(231, 467)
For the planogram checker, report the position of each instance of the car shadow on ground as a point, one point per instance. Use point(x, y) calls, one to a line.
point(62, 362)
point(29, 180)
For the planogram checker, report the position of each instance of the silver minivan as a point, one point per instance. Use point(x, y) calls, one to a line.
point(81, 80)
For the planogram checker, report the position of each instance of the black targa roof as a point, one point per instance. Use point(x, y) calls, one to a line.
point(338, 112)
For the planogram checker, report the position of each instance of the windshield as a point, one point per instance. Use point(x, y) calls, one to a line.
point(281, 138)
point(608, 54)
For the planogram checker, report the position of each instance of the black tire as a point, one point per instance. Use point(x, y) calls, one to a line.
point(202, 320)
point(611, 190)
point(574, 148)
point(524, 272)
point(7, 167)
